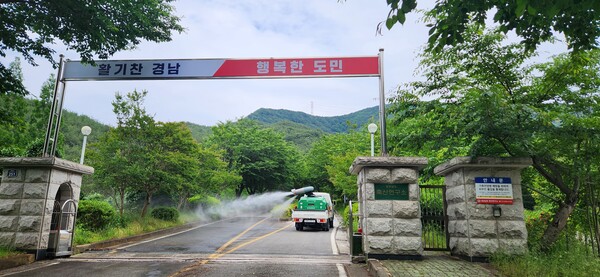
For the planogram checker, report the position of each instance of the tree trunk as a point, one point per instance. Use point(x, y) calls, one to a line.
point(114, 198)
point(147, 201)
point(239, 190)
point(122, 205)
point(559, 222)
point(251, 190)
point(592, 218)
point(182, 203)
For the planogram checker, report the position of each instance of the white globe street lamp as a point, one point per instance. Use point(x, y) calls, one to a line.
point(86, 131)
point(372, 129)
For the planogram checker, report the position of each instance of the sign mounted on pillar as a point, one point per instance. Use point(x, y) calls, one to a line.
point(493, 190)
point(391, 191)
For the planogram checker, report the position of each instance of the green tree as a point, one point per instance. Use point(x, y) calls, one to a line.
point(132, 145)
point(13, 112)
point(492, 104)
point(141, 156)
point(260, 155)
point(92, 28)
point(213, 177)
point(534, 21)
point(108, 157)
point(38, 119)
point(429, 129)
point(178, 161)
point(343, 182)
point(330, 158)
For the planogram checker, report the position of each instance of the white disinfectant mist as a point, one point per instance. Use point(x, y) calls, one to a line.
point(270, 203)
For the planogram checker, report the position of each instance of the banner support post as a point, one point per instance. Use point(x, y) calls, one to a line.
point(51, 138)
point(382, 106)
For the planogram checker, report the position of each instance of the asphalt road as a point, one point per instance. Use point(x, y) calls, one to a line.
point(250, 246)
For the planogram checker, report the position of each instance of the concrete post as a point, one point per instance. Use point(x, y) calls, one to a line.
point(484, 216)
point(28, 190)
point(389, 211)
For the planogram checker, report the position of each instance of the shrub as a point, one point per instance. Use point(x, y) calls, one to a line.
point(536, 222)
point(354, 215)
point(165, 213)
point(95, 214)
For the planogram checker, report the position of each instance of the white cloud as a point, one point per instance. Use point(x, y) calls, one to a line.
point(257, 29)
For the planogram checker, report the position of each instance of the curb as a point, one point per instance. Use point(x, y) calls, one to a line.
point(24, 259)
point(16, 260)
point(103, 245)
point(377, 268)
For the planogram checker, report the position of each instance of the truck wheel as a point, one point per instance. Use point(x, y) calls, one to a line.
point(326, 227)
point(331, 223)
point(299, 227)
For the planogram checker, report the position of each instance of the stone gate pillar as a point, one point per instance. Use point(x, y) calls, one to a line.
point(485, 206)
point(389, 211)
point(28, 191)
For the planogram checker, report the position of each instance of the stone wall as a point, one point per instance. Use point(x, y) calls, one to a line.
point(22, 200)
point(27, 192)
point(473, 229)
point(391, 228)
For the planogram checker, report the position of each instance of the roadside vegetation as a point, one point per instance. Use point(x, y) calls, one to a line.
point(569, 257)
point(131, 225)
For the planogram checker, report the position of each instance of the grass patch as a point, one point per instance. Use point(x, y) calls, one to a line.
point(559, 262)
point(7, 252)
point(434, 235)
point(133, 226)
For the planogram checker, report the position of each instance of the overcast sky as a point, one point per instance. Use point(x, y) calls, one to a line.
point(256, 29)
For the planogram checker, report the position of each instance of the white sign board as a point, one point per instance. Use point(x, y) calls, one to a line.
point(493, 190)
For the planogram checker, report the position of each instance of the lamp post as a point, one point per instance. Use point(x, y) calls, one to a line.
point(86, 131)
point(372, 129)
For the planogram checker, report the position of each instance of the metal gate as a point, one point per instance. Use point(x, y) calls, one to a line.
point(433, 218)
point(61, 228)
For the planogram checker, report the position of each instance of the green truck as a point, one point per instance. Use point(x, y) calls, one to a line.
point(314, 210)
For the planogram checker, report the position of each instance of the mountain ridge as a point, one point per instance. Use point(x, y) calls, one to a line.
point(327, 124)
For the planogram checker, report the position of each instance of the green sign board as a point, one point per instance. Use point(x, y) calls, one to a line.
point(391, 191)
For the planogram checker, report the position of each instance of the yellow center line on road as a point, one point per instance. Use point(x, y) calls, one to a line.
point(219, 252)
point(254, 240)
point(238, 236)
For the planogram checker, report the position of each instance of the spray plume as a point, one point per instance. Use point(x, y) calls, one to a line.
point(253, 205)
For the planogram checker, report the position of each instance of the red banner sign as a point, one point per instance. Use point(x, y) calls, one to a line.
point(304, 67)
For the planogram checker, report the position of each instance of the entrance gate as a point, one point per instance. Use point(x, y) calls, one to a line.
point(433, 218)
point(185, 69)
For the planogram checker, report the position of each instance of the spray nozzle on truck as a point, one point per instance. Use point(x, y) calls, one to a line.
point(314, 209)
point(304, 190)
